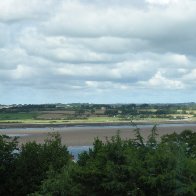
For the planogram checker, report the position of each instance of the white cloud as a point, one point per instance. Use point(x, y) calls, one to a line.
point(162, 2)
point(106, 85)
point(22, 71)
point(160, 81)
point(191, 76)
point(179, 59)
point(90, 46)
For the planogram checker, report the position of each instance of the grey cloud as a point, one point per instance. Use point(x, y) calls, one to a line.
point(116, 45)
point(93, 47)
point(4, 35)
point(139, 4)
point(60, 49)
point(11, 57)
point(12, 11)
point(162, 29)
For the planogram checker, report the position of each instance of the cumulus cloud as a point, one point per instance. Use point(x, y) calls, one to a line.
point(84, 50)
point(160, 81)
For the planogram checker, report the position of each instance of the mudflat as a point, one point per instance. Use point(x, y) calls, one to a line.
point(79, 136)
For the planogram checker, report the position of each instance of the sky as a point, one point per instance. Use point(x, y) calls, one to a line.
point(97, 51)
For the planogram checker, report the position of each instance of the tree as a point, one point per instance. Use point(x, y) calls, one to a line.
point(35, 160)
point(186, 137)
point(8, 156)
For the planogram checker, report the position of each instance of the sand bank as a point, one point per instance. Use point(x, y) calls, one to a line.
point(78, 136)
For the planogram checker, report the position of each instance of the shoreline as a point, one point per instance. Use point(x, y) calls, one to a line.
point(93, 124)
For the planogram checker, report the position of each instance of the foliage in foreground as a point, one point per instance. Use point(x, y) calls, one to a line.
point(114, 167)
point(130, 167)
point(22, 169)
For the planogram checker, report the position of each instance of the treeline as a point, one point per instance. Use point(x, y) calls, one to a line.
point(113, 109)
point(29, 108)
point(115, 167)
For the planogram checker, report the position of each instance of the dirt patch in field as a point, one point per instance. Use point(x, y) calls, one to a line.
point(50, 116)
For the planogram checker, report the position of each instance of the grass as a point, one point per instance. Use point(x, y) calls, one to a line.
point(89, 120)
point(103, 119)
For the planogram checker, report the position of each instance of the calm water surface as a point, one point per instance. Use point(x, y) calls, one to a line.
point(83, 127)
point(76, 150)
point(23, 132)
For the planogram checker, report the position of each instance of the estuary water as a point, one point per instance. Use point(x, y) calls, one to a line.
point(25, 132)
point(76, 150)
point(89, 127)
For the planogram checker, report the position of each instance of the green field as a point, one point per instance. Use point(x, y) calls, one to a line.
point(30, 118)
point(17, 116)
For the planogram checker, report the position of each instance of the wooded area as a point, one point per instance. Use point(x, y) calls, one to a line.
point(116, 167)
